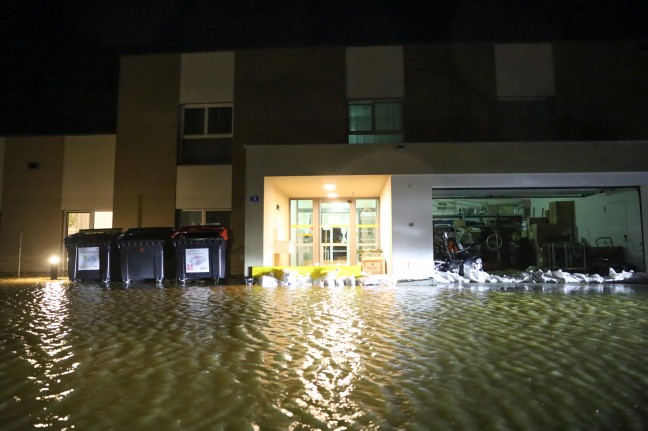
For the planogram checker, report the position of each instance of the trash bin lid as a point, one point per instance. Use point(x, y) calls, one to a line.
point(87, 235)
point(201, 231)
point(146, 233)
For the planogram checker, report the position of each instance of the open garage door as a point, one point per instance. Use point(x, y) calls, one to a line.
point(581, 230)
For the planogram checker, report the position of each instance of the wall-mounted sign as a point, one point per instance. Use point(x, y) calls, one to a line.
point(254, 198)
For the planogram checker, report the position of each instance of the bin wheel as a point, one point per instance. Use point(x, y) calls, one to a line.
point(494, 242)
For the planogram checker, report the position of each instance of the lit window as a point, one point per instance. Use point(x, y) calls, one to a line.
point(206, 135)
point(375, 122)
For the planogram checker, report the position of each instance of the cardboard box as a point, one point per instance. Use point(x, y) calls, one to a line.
point(537, 220)
point(546, 232)
point(562, 212)
point(373, 265)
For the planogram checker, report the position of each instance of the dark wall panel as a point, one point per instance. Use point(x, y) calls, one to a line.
point(601, 90)
point(147, 136)
point(290, 96)
point(449, 93)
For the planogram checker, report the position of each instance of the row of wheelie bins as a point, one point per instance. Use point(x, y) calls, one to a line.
point(153, 253)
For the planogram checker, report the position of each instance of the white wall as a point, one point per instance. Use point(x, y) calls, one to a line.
point(617, 215)
point(412, 234)
point(88, 172)
point(386, 225)
point(204, 187)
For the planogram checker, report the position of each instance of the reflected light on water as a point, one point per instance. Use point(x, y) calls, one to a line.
point(49, 326)
point(91, 356)
point(332, 363)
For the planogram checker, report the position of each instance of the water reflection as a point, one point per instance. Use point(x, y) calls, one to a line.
point(332, 331)
point(94, 356)
point(44, 331)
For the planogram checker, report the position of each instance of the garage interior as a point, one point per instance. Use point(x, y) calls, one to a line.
point(577, 230)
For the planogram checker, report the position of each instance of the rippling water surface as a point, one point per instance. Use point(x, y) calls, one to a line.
point(90, 356)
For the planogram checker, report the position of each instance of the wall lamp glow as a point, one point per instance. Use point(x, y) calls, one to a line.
point(54, 261)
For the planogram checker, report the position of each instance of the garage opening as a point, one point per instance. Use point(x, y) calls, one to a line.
point(578, 230)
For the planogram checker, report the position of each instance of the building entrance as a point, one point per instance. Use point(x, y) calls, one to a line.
point(331, 232)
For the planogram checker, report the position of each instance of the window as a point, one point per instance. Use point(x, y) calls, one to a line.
point(206, 135)
point(75, 221)
point(202, 217)
point(375, 122)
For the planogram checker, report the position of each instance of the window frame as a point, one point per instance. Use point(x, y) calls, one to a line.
point(205, 136)
point(204, 216)
point(375, 131)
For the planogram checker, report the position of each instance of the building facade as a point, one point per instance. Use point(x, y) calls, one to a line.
point(416, 140)
point(52, 186)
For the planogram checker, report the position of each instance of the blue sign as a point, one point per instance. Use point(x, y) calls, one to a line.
point(254, 198)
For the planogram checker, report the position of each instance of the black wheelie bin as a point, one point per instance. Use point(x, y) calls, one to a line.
point(201, 252)
point(93, 255)
point(146, 254)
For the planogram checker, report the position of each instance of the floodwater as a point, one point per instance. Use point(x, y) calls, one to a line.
point(201, 357)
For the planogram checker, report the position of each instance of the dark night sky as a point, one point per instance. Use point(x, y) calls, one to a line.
point(61, 58)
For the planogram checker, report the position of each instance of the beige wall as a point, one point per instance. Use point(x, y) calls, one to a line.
point(147, 135)
point(207, 77)
point(31, 203)
point(88, 172)
point(276, 223)
point(204, 187)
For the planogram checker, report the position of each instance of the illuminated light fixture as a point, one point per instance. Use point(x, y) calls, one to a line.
point(329, 186)
point(332, 194)
point(54, 261)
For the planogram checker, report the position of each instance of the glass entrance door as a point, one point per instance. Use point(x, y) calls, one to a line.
point(335, 229)
point(332, 232)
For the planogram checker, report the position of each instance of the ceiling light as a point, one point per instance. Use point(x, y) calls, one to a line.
point(332, 194)
point(329, 186)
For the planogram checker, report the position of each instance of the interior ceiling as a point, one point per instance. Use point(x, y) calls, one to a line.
point(515, 193)
point(346, 186)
